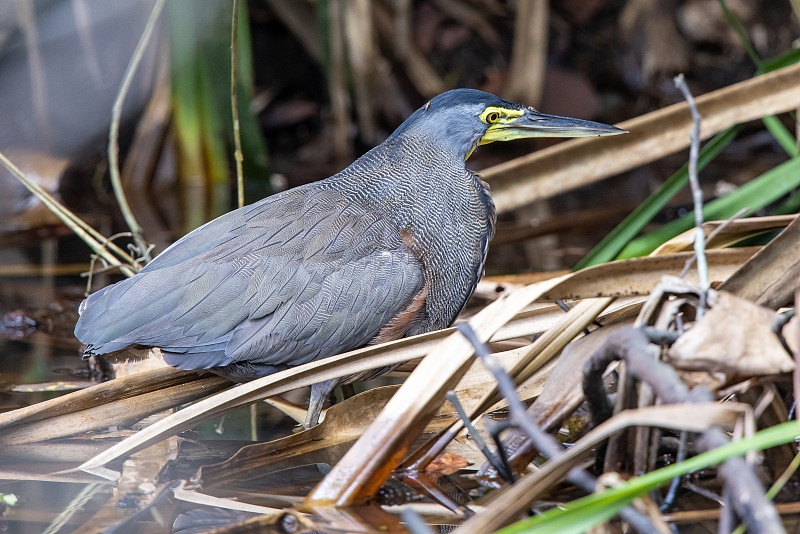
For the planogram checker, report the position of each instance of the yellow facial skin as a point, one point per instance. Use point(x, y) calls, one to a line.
point(496, 118)
point(506, 124)
point(500, 121)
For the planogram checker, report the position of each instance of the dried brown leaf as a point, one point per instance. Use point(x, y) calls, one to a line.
point(769, 277)
point(188, 495)
point(98, 395)
point(639, 276)
point(733, 232)
point(367, 464)
point(137, 488)
point(447, 464)
point(325, 443)
point(735, 336)
point(122, 412)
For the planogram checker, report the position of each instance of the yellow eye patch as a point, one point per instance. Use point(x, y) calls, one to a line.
point(492, 115)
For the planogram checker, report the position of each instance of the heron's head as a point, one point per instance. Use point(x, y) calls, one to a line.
point(461, 119)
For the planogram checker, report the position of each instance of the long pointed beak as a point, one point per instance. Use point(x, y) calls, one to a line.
point(535, 124)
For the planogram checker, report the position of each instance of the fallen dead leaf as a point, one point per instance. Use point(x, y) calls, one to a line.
point(447, 464)
point(734, 336)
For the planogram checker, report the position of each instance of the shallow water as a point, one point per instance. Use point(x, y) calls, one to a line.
point(40, 289)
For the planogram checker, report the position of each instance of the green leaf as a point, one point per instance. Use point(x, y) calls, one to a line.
point(781, 135)
point(753, 195)
point(790, 57)
point(582, 514)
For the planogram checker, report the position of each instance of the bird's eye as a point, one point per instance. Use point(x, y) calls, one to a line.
point(492, 117)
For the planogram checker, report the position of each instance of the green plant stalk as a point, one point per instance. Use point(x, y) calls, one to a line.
point(113, 134)
point(94, 239)
point(254, 148)
point(784, 59)
point(213, 127)
point(621, 235)
point(582, 514)
point(753, 195)
point(781, 135)
point(237, 138)
point(734, 23)
point(186, 109)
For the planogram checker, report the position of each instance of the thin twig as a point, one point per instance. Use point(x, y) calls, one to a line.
point(544, 442)
point(669, 500)
point(697, 194)
point(498, 466)
point(113, 133)
point(26, 14)
point(237, 138)
point(83, 25)
point(495, 429)
point(633, 347)
point(784, 477)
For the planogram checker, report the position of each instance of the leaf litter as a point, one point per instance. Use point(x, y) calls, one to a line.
point(347, 437)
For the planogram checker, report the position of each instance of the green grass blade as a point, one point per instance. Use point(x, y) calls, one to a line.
point(790, 57)
point(753, 195)
point(254, 146)
point(781, 135)
point(736, 26)
point(620, 236)
point(582, 514)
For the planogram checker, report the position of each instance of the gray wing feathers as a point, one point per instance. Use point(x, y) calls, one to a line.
point(287, 280)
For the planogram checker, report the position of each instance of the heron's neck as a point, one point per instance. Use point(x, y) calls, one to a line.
point(426, 192)
point(414, 182)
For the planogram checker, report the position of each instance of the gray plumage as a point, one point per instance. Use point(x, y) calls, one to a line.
point(322, 268)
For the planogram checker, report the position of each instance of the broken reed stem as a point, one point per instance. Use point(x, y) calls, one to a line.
point(143, 250)
point(237, 138)
point(697, 193)
point(496, 462)
point(94, 239)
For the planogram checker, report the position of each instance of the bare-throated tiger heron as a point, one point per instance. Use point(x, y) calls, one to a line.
point(389, 247)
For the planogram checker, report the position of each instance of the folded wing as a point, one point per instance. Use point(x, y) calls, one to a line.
point(295, 277)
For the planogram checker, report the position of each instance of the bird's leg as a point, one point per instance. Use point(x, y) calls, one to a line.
point(319, 392)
